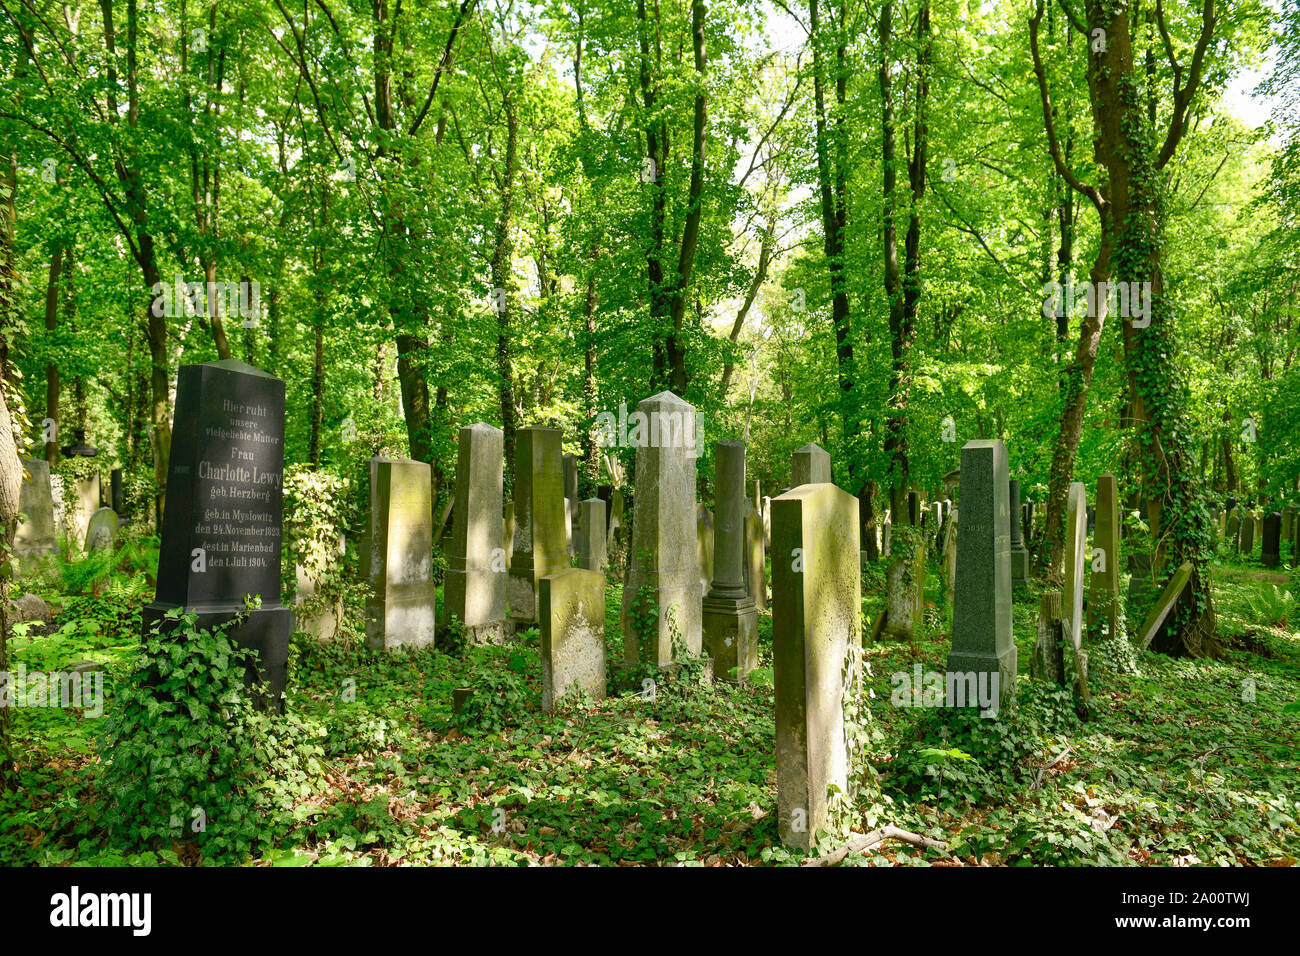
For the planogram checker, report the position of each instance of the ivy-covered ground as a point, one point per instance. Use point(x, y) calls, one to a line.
point(1183, 762)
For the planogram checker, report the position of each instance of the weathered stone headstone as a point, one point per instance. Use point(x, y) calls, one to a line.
point(571, 610)
point(312, 614)
point(905, 593)
point(1233, 533)
point(886, 536)
point(948, 557)
point(86, 492)
point(101, 530)
point(1103, 594)
point(1019, 553)
point(474, 587)
point(810, 465)
point(816, 624)
point(729, 616)
point(664, 569)
point(704, 546)
point(508, 534)
point(983, 650)
point(36, 536)
point(1247, 545)
point(591, 535)
point(539, 518)
point(1160, 617)
point(1271, 548)
point(397, 555)
point(1076, 572)
point(118, 497)
point(767, 524)
point(755, 568)
point(222, 517)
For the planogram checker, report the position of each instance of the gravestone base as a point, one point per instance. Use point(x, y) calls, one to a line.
point(730, 628)
point(521, 594)
point(406, 620)
point(1019, 565)
point(974, 662)
point(456, 587)
point(265, 631)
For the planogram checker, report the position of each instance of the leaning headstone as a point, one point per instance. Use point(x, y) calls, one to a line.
point(591, 535)
point(1019, 553)
point(222, 517)
point(664, 571)
point(983, 649)
point(816, 635)
point(539, 547)
point(729, 617)
point(1103, 592)
point(36, 536)
point(755, 568)
point(474, 587)
point(571, 611)
point(1160, 616)
point(810, 465)
point(397, 555)
point(101, 530)
point(1271, 548)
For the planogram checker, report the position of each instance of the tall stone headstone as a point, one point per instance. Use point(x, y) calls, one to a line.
point(1247, 541)
point(948, 558)
point(1076, 543)
point(664, 569)
point(816, 631)
point(397, 555)
point(539, 547)
point(474, 587)
point(729, 615)
point(118, 497)
point(1019, 553)
point(1271, 547)
point(767, 523)
point(810, 465)
point(983, 649)
point(571, 611)
point(37, 536)
point(755, 567)
point(591, 535)
point(86, 503)
point(1103, 600)
point(222, 517)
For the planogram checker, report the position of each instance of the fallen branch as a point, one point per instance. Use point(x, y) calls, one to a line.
point(1042, 771)
point(867, 840)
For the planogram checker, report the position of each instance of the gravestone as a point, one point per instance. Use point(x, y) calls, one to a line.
point(664, 567)
point(729, 617)
point(1155, 629)
point(222, 515)
point(397, 555)
point(948, 558)
point(1019, 553)
point(886, 535)
point(86, 503)
point(905, 593)
point(508, 535)
point(767, 524)
point(1103, 593)
point(37, 536)
point(816, 636)
point(570, 502)
point(1233, 533)
point(810, 465)
point(474, 586)
point(539, 518)
point(118, 498)
point(591, 535)
point(571, 610)
point(101, 530)
point(1271, 546)
point(755, 568)
point(312, 615)
point(1076, 572)
point(1247, 541)
point(982, 643)
point(704, 546)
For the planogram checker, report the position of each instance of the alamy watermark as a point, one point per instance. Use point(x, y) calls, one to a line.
point(921, 688)
point(1126, 300)
point(675, 429)
point(232, 299)
point(23, 688)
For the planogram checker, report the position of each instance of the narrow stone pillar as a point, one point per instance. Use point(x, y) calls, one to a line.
point(730, 620)
point(474, 589)
point(539, 518)
point(591, 535)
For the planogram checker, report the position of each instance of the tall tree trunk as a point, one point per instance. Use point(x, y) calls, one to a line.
point(52, 367)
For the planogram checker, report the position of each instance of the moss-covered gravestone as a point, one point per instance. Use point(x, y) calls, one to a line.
point(816, 631)
point(474, 589)
point(397, 558)
point(571, 611)
point(1103, 592)
point(539, 547)
point(592, 544)
point(810, 465)
point(222, 517)
point(36, 537)
point(1019, 553)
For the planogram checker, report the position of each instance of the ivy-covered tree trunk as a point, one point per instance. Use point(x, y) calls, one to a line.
point(11, 466)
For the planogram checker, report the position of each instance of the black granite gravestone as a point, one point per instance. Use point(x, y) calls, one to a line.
point(1271, 551)
point(221, 522)
point(117, 498)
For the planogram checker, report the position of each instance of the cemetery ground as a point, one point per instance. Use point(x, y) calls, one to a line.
point(1181, 762)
